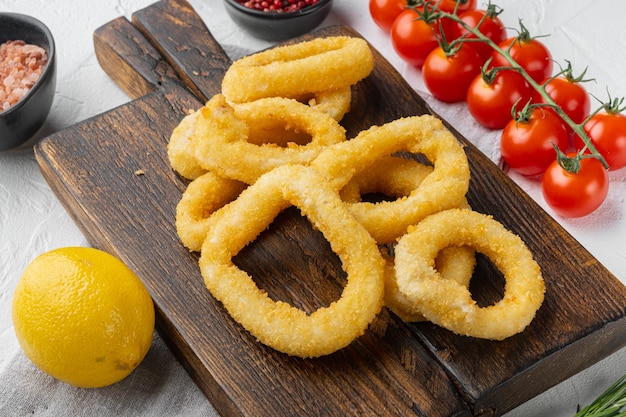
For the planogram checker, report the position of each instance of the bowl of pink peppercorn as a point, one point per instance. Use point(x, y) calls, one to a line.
point(27, 77)
point(277, 20)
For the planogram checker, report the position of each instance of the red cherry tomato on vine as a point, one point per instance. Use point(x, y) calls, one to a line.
point(385, 12)
point(448, 27)
point(449, 5)
point(412, 38)
point(449, 77)
point(528, 146)
point(575, 195)
point(491, 103)
point(571, 97)
point(607, 132)
point(530, 54)
point(492, 27)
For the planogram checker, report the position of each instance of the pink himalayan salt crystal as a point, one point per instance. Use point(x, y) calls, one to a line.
point(21, 65)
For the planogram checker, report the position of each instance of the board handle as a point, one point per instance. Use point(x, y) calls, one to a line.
point(167, 43)
point(181, 36)
point(130, 60)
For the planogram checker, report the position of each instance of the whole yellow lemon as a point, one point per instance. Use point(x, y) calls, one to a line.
point(82, 316)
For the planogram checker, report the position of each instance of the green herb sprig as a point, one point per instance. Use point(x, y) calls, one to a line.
point(611, 403)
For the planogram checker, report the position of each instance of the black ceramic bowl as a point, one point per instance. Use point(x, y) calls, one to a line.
point(274, 26)
point(22, 120)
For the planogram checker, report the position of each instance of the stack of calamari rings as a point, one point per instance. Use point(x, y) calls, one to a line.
point(273, 139)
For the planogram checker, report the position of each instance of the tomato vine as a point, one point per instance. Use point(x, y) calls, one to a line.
point(595, 134)
point(514, 65)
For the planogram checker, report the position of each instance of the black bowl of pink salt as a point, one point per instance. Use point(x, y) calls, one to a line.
point(27, 77)
point(277, 20)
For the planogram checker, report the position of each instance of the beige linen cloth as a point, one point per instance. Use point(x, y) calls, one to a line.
point(158, 387)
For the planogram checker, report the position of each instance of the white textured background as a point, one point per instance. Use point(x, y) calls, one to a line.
point(32, 221)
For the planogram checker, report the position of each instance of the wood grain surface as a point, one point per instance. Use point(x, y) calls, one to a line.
point(112, 175)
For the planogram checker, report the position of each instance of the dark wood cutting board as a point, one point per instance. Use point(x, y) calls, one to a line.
point(112, 175)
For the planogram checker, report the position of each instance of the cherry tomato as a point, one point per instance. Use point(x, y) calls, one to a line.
point(448, 27)
point(528, 146)
point(530, 54)
point(385, 12)
point(449, 5)
point(575, 195)
point(449, 77)
point(412, 38)
point(492, 27)
point(491, 103)
point(571, 97)
point(607, 132)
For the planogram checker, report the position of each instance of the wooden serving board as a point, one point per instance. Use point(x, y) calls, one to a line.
point(112, 175)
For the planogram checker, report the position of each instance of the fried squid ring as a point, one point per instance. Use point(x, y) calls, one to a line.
point(221, 136)
point(395, 176)
point(452, 263)
point(203, 196)
point(296, 70)
point(391, 176)
point(444, 188)
point(449, 304)
point(276, 323)
point(335, 103)
point(180, 149)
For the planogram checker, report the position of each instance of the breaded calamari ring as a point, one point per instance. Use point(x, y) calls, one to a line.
point(450, 304)
point(453, 263)
point(221, 142)
point(395, 176)
point(273, 130)
point(391, 176)
point(279, 324)
point(335, 103)
point(180, 148)
point(445, 187)
point(203, 196)
point(299, 69)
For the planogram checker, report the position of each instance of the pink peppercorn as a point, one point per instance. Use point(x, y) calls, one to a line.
point(277, 6)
